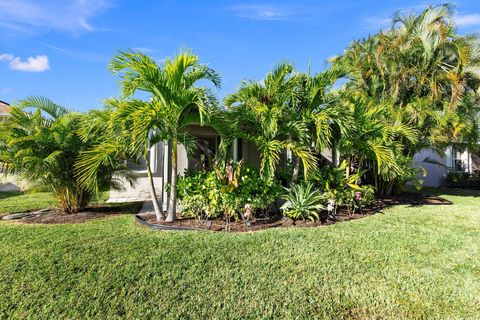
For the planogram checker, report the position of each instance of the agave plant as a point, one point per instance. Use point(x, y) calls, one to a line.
point(302, 202)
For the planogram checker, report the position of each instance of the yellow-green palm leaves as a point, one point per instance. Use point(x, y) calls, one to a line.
point(175, 100)
point(263, 113)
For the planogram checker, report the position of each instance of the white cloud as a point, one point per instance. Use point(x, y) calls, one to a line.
point(468, 20)
point(81, 55)
point(30, 16)
point(32, 64)
point(260, 12)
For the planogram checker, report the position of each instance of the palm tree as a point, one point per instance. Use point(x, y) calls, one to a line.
point(371, 142)
point(43, 146)
point(261, 111)
point(422, 67)
point(175, 100)
point(121, 136)
point(422, 73)
point(315, 104)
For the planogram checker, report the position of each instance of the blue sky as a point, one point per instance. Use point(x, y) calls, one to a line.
point(60, 48)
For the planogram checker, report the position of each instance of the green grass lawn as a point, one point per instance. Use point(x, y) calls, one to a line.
point(410, 262)
point(13, 202)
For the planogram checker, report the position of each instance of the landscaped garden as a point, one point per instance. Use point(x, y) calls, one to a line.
point(330, 147)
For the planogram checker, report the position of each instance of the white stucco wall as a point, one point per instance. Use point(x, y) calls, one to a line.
point(436, 173)
point(140, 190)
point(182, 159)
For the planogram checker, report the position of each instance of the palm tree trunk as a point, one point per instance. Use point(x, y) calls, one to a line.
point(296, 168)
point(172, 205)
point(156, 207)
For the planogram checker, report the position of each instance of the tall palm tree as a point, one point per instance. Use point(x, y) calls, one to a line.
point(175, 99)
point(422, 67)
point(422, 73)
point(263, 115)
point(315, 104)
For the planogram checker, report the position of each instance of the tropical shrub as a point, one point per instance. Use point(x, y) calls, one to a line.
point(302, 201)
point(224, 191)
point(457, 179)
point(263, 111)
point(410, 87)
point(341, 189)
point(357, 199)
point(43, 146)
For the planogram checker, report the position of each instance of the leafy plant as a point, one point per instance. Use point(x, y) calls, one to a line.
point(175, 101)
point(262, 111)
point(224, 191)
point(302, 202)
point(43, 146)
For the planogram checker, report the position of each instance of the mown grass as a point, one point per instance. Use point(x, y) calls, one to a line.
point(14, 202)
point(410, 262)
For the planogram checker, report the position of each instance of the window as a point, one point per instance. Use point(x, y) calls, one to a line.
point(459, 160)
point(140, 165)
point(207, 147)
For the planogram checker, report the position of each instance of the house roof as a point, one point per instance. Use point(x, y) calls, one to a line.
point(4, 107)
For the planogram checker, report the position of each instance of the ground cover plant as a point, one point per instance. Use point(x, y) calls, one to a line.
point(411, 262)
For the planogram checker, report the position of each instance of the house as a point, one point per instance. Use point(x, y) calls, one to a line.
point(207, 139)
point(438, 165)
point(7, 183)
point(4, 110)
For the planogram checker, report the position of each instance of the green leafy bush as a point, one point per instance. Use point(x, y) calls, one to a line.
point(303, 201)
point(465, 180)
point(224, 191)
point(342, 190)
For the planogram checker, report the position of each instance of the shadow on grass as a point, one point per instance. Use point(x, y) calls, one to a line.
point(10, 194)
point(443, 191)
point(128, 207)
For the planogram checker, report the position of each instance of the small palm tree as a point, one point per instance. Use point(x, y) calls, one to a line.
point(175, 100)
point(302, 202)
point(314, 103)
point(44, 146)
point(121, 134)
point(261, 110)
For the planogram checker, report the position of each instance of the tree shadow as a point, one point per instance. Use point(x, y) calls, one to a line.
point(443, 191)
point(10, 194)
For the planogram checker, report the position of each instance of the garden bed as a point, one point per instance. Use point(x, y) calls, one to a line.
point(278, 221)
point(56, 216)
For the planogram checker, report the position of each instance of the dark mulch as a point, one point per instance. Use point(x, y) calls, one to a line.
point(277, 221)
point(93, 212)
point(274, 221)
